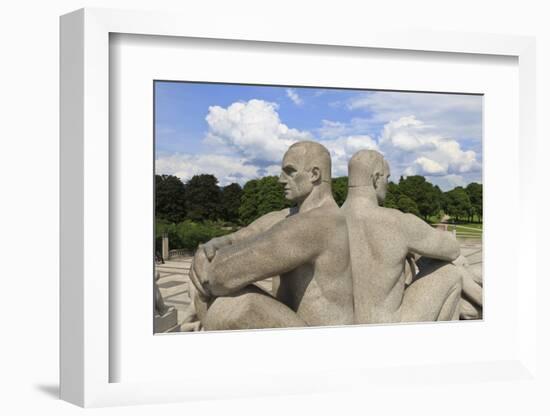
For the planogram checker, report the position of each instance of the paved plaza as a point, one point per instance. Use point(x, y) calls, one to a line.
point(174, 285)
point(174, 279)
point(471, 248)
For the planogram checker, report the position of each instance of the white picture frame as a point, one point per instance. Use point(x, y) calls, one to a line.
point(86, 353)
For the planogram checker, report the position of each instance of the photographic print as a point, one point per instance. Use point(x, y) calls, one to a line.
point(286, 206)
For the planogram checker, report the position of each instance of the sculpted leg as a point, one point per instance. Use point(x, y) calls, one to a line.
point(434, 296)
point(471, 304)
point(471, 289)
point(469, 311)
point(250, 308)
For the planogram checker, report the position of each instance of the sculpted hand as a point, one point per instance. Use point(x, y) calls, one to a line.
point(199, 274)
point(212, 246)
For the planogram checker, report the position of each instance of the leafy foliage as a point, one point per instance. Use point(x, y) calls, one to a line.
point(392, 196)
point(407, 205)
point(189, 234)
point(203, 198)
point(231, 201)
point(271, 194)
point(340, 189)
point(475, 193)
point(199, 210)
point(249, 202)
point(426, 197)
point(457, 203)
point(261, 196)
point(169, 198)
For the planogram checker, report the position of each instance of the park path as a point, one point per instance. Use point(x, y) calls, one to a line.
point(174, 285)
point(174, 278)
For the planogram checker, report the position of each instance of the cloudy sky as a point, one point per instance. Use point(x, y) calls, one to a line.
point(240, 132)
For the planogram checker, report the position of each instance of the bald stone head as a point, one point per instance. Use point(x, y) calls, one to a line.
point(367, 168)
point(306, 164)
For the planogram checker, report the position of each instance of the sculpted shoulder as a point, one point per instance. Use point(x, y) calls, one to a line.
point(327, 211)
point(376, 216)
point(274, 217)
point(285, 212)
point(319, 221)
point(413, 224)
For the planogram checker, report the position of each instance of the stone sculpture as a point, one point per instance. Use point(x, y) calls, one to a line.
point(165, 317)
point(335, 265)
point(306, 246)
point(381, 240)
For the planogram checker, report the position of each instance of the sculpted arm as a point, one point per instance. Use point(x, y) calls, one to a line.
point(257, 227)
point(284, 247)
point(428, 241)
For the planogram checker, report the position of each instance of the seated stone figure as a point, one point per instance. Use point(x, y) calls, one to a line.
point(471, 302)
point(381, 240)
point(306, 246)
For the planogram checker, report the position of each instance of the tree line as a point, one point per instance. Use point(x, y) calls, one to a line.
point(415, 195)
point(201, 199)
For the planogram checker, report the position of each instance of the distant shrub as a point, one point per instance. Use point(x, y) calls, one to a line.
point(189, 234)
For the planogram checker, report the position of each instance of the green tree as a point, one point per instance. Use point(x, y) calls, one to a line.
point(392, 196)
point(340, 189)
point(188, 234)
point(270, 196)
point(231, 201)
point(426, 197)
point(475, 193)
point(249, 202)
point(407, 205)
point(457, 203)
point(261, 196)
point(203, 198)
point(169, 198)
point(438, 194)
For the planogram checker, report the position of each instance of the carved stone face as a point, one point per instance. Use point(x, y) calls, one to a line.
point(382, 184)
point(295, 178)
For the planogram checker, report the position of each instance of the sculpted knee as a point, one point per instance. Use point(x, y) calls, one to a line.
point(236, 312)
point(450, 273)
point(455, 283)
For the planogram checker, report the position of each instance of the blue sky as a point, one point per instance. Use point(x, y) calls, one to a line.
point(239, 132)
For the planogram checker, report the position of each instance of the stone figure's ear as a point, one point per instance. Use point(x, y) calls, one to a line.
point(315, 174)
point(375, 178)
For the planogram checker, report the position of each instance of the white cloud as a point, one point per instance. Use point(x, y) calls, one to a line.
point(334, 129)
point(252, 129)
point(343, 148)
point(408, 134)
point(429, 166)
point(448, 181)
point(458, 160)
point(293, 95)
point(226, 168)
point(413, 147)
point(248, 140)
point(273, 170)
point(387, 102)
point(331, 129)
point(455, 115)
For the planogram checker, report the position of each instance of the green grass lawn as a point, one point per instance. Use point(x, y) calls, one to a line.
point(471, 225)
point(471, 229)
point(463, 228)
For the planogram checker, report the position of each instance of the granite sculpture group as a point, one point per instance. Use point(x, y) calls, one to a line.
point(358, 264)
